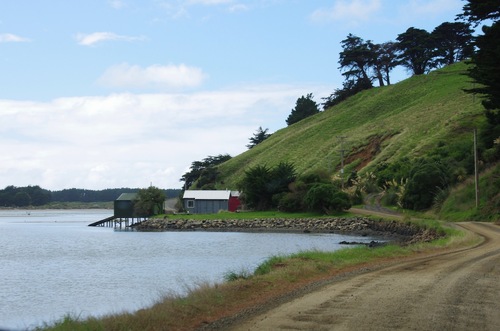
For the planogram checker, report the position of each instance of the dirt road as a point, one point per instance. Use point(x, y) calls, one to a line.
point(457, 290)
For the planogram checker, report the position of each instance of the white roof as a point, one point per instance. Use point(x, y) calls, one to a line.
point(207, 194)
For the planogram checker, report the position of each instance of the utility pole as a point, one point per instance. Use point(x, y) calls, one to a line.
point(341, 138)
point(476, 170)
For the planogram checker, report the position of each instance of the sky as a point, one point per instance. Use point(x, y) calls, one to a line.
point(102, 94)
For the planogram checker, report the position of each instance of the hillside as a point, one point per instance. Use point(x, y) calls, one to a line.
point(384, 124)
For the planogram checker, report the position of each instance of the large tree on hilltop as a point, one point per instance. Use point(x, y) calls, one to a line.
point(453, 42)
point(356, 58)
point(417, 50)
point(386, 59)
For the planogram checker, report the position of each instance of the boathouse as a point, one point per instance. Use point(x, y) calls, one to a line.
point(123, 212)
point(210, 201)
point(124, 205)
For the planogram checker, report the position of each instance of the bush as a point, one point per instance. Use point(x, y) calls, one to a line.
point(326, 198)
point(291, 202)
point(426, 179)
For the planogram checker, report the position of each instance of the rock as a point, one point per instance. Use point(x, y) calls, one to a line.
point(404, 232)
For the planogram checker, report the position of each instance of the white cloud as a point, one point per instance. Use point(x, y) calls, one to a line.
point(238, 8)
point(93, 38)
point(12, 38)
point(351, 11)
point(117, 4)
point(156, 76)
point(132, 139)
point(430, 7)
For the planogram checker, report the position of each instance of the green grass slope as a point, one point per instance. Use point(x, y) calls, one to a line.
point(461, 203)
point(383, 124)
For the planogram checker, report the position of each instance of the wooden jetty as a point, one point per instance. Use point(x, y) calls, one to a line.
point(114, 221)
point(124, 214)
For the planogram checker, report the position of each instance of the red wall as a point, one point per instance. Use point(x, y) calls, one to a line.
point(234, 203)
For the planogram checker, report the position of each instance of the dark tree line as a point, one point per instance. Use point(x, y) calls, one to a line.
point(419, 51)
point(13, 196)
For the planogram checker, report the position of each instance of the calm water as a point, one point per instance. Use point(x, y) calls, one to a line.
point(52, 263)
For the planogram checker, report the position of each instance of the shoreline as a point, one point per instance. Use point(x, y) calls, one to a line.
point(390, 230)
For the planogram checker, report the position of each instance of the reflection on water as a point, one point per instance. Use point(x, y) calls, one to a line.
point(53, 263)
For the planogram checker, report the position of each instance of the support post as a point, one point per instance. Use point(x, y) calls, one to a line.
point(476, 170)
point(342, 160)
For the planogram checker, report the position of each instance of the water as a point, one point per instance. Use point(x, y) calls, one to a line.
point(53, 264)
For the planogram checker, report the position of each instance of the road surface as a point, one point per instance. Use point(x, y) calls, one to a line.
point(458, 290)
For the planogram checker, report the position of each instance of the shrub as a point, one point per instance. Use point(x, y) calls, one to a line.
point(426, 179)
point(326, 198)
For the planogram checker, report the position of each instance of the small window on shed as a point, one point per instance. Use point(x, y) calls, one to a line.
point(190, 204)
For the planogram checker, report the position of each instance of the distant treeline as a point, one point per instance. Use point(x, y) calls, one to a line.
point(13, 196)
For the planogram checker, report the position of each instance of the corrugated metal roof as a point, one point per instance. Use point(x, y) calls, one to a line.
point(207, 194)
point(127, 196)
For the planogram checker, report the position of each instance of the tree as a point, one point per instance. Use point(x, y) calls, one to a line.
point(263, 187)
point(453, 42)
point(487, 72)
point(356, 58)
point(254, 187)
point(22, 199)
point(425, 179)
point(326, 198)
point(149, 202)
point(258, 137)
point(304, 107)
point(486, 69)
point(416, 50)
point(350, 88)
point(281, 176)
point(204, 172)
point(386, 60)
point(481, 10)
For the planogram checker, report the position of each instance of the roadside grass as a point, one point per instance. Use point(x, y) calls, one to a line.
point(460, 204)
point(242, 290)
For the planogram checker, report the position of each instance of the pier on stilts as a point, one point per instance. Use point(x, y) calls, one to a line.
point(124, 214)
point(119, 222)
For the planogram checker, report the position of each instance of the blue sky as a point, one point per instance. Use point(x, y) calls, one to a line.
point(124, 93)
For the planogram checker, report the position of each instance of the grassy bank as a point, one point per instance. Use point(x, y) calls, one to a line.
point(243, 290)
point(461, 203)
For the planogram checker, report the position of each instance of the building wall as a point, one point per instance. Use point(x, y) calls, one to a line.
point(206, 206)
point(124, 208)
point(234, 203)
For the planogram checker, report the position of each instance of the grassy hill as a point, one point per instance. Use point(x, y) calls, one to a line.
point(384, 124)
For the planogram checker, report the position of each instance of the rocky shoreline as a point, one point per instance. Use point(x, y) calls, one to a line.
point(404, 232)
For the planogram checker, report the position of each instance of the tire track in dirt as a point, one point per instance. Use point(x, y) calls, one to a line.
point(458, 290)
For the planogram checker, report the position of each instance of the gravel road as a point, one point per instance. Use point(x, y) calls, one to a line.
point(457, 290)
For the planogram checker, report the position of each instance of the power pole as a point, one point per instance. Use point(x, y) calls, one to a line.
point(341, 138)
point(476, 170)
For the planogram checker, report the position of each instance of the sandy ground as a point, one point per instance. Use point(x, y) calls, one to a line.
point(457, 290)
